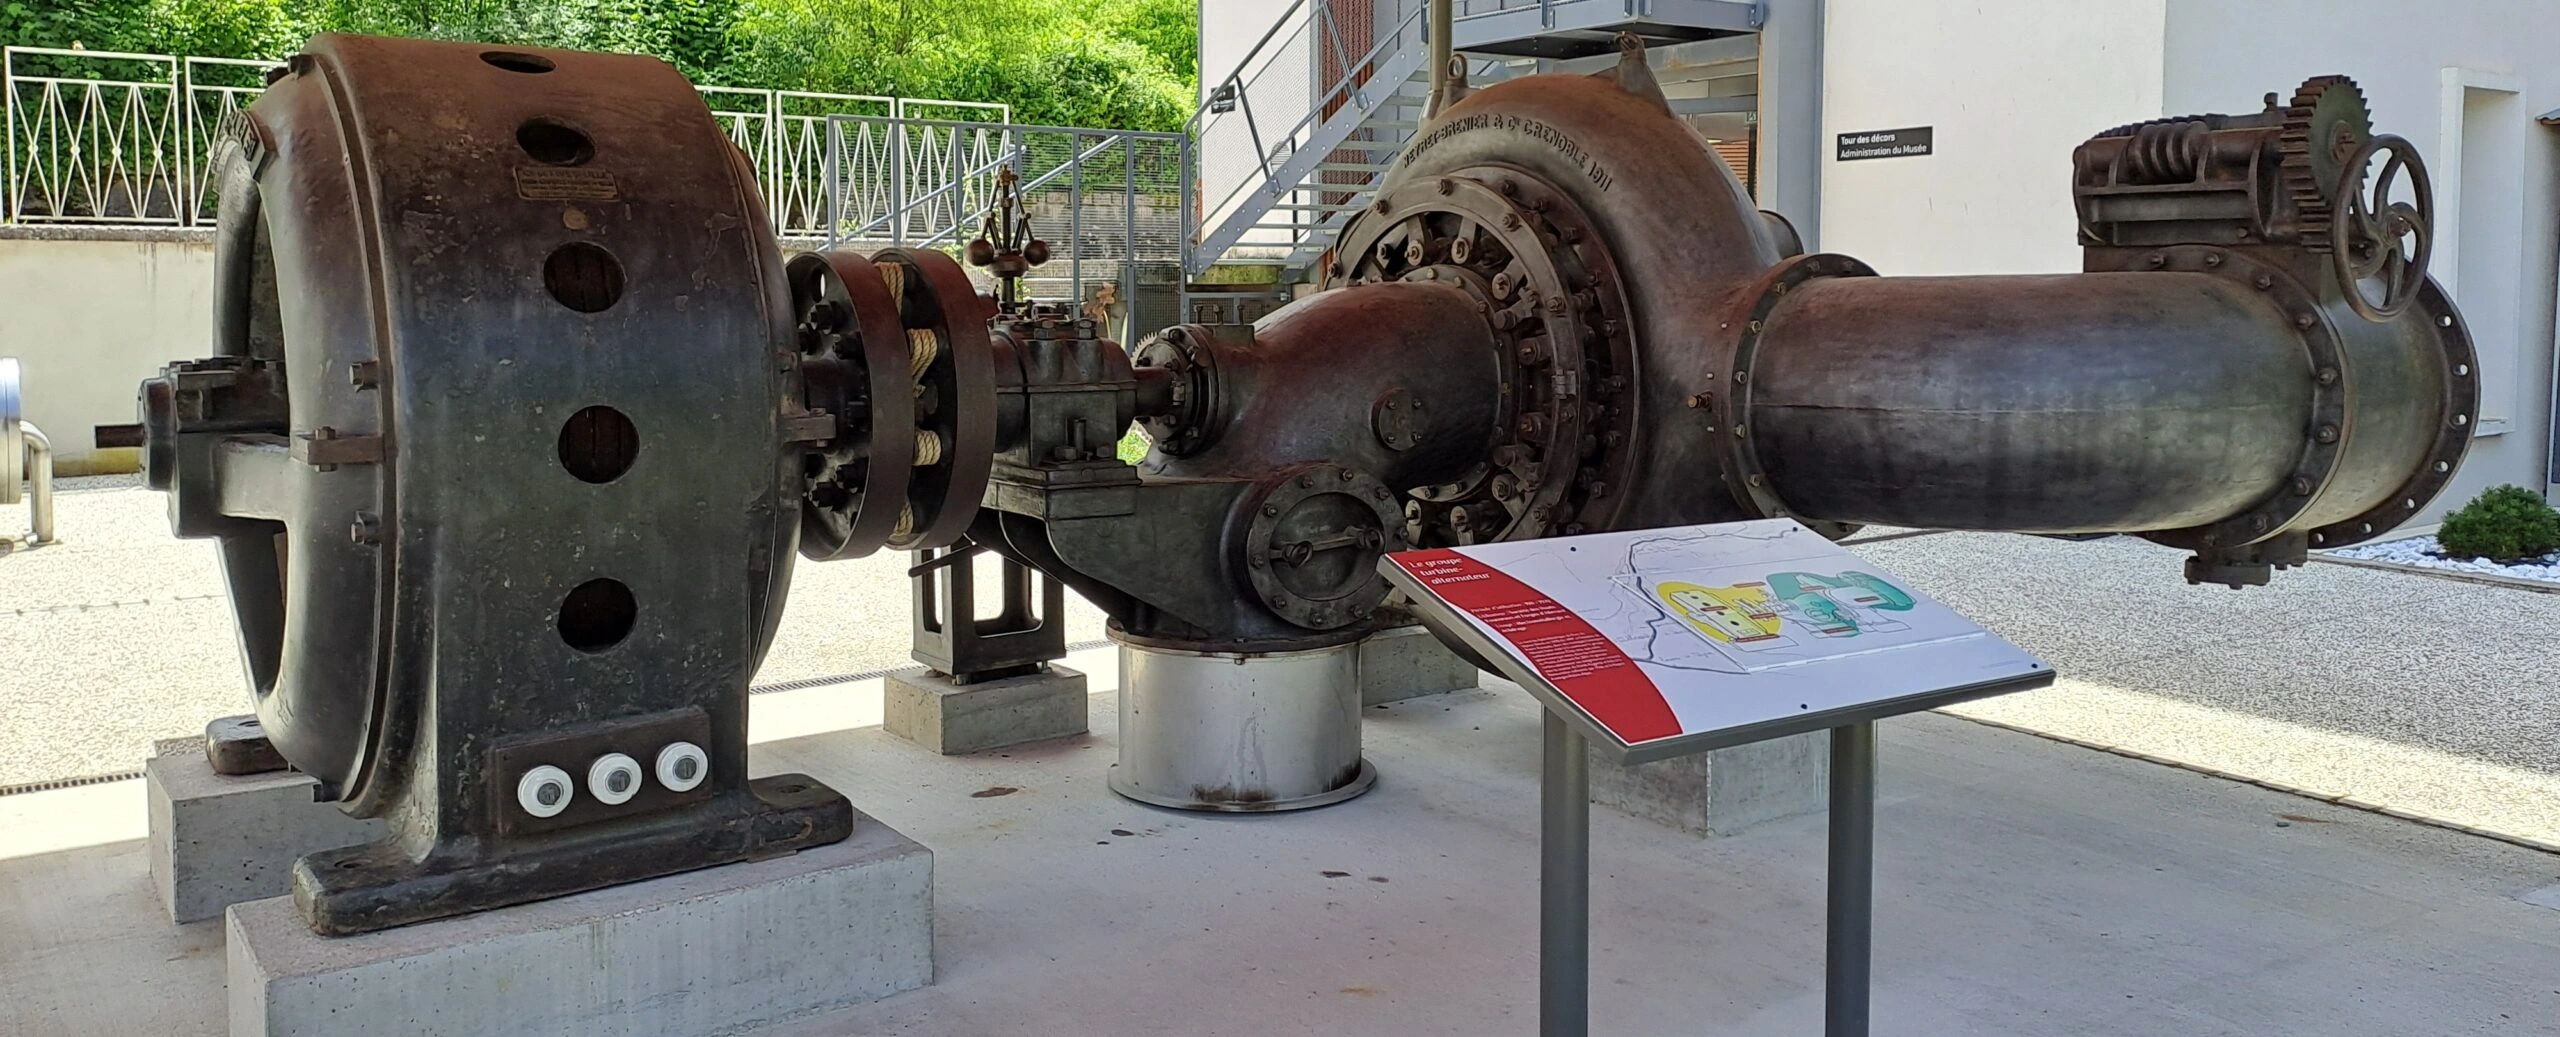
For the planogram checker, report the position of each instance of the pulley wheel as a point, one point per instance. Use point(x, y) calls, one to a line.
point(857, 484)
point(957, 407)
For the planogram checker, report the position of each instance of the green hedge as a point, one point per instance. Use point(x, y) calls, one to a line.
point(2504, 524)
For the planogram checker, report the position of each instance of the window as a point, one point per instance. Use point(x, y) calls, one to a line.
point(2480, 216)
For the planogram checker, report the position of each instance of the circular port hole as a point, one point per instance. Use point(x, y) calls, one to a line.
point(556, 143)
point(583, 277)
point(597, 615)
point(515, 62)
point(598, 444)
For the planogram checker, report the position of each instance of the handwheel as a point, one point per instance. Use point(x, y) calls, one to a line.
point(2368, 230)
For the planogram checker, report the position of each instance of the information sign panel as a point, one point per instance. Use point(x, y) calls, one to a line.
point(1663, 642)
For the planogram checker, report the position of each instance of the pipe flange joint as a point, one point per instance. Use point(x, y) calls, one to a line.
point(2324, 440)
point(2458, 397)
point(1744, 477)
point(1198, 413)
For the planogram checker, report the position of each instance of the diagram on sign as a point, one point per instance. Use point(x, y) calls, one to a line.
point(1756, 615)
point(1659, 635)
point(1707, 602)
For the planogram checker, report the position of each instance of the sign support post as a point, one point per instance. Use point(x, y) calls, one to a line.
point(1564, 884)
point(1657, 643)
point(1850, 921)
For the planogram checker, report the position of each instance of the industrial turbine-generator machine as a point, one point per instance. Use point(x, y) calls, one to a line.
point(519, 415)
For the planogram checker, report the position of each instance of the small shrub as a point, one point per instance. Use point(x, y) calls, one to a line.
point(2504, 524)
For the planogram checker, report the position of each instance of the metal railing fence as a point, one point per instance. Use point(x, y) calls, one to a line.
point(98, 137)
point(1117, 199)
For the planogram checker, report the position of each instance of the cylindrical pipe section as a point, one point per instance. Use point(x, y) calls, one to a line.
point(39, 480)
point(1402, 380)
point(1240, 731)
point(2108, 402)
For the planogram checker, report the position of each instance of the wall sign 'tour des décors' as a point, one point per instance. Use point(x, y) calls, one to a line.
point(1914, 140)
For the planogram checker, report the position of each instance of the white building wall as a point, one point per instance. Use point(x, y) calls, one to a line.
point(2497, 196)
point(2011, 87)
point(89, 320)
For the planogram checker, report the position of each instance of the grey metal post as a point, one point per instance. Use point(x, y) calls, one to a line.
point(1128, 242)
point(1075, 222)
point(1439, 30)
point(1850, 922)
point(898, 182)
point(39, 482)
point(832, 203)
point(1564, 885)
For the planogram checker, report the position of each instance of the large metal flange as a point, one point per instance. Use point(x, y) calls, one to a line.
point(1199, 412)
point(2460, 382)
point(1552, 289)
point(1731, 406)
point(854, 357)
point(2332, 399)
point(1313, 537)
point(955, 419)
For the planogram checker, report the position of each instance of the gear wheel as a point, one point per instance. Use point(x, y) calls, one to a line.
point(2326, 122)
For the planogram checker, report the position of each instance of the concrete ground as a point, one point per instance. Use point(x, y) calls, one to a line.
point(2023, 887)
point(2394, 690)
point(120, 635)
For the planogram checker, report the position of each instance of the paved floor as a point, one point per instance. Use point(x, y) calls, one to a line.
point(2024, 887)
point(120, 634)
point(2399, 690)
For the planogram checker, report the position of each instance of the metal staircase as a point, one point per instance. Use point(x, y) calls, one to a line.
point(1293, 142)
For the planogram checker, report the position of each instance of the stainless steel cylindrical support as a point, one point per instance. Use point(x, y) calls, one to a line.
point(26, 456)
point(1240, 731)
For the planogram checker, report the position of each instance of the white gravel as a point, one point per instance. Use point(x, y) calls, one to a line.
point(2423, 552)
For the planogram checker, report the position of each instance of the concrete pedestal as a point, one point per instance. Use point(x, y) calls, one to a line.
point(1407, 662)
point(1722, 791)
point(715, 951)
point(219, 840)
point(931, 711)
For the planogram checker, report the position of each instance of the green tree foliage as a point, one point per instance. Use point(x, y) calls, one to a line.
point(2505, 524)
point(1057, 62)
point(1115, 63)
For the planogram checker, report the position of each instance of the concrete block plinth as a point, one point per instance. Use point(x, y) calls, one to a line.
point(930, 710)
point(1408, 662)
point(219, 840)
point(1722, 791)
point(715, 951)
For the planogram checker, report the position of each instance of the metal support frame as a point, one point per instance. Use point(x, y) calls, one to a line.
point(1564, 882)
point(1019, 639)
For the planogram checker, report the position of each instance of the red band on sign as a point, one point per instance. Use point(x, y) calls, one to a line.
point(1564, 648)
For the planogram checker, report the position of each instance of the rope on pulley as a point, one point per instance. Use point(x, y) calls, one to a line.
point(922, 347)
point(928, 447)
